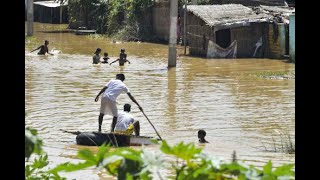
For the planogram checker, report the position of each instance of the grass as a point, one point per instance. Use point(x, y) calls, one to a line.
point(97, 36)
point(284, 143)
point(31, 42)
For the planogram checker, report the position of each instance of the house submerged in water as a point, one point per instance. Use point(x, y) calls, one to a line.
point(237, 31)
point(52, 11)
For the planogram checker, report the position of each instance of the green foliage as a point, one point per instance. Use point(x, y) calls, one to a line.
point(88, 13)
point(32, 142)
point(123, 19)
point(205, 2)
point(128, 19)
point(127, 163)
point(37, 170)
point(284, 170)
point(115, 16)
point(123, 162)
point(31, 42)
point(181, 150)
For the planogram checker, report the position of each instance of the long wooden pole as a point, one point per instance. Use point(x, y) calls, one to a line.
point(152, 125)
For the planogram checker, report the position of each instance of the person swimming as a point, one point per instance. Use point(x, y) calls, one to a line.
point(43, 48)
point(201, 135)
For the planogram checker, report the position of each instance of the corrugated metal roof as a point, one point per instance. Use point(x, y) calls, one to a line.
point(227, 15)
point(51, 3)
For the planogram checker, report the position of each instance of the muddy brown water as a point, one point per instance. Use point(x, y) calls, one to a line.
point(239, 111)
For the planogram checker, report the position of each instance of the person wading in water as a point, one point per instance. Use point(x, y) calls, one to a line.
point(43, 48)
point(201, 135)
point(96, 56)
point(122, 59)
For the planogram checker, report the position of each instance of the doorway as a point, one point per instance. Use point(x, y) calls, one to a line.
point(223, 38)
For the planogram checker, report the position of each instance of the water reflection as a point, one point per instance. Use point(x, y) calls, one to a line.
point(171, 98)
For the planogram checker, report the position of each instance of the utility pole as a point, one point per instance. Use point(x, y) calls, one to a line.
point(29, 17)
point(61, 9)
point(172, 59)
point(61, 14)
point(184, 26)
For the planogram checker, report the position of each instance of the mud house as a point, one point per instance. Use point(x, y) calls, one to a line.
point(278, 30)
point(234, 31)
point(224, 31)
point(51, 11)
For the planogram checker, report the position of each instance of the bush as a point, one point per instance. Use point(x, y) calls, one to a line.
point(36, 170)
point(191, 163)
point(126, 163)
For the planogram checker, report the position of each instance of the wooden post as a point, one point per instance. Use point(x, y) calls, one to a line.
point(29, 17)
point(173, 33)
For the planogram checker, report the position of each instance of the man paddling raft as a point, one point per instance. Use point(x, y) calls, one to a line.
point(108, 101)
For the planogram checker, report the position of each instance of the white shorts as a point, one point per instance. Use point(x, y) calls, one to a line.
point(108, 107)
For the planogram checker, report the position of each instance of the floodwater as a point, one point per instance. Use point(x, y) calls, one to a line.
point(239, 111)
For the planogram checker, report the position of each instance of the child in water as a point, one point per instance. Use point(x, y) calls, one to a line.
point(105, 58)
point(43, 48)
point(201, 135)
point(122, 59)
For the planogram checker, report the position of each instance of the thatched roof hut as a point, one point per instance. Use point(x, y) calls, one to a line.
point(234, 30)
point(227, 15)
point(52, 11)
point(259, 2)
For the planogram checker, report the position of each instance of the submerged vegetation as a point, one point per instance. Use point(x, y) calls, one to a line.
point(96, 36)
point(282, 142)
point(275, 74)
point(31, 42)
point(126, 163)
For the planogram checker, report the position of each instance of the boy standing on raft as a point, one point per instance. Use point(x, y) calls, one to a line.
point(108, 101)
